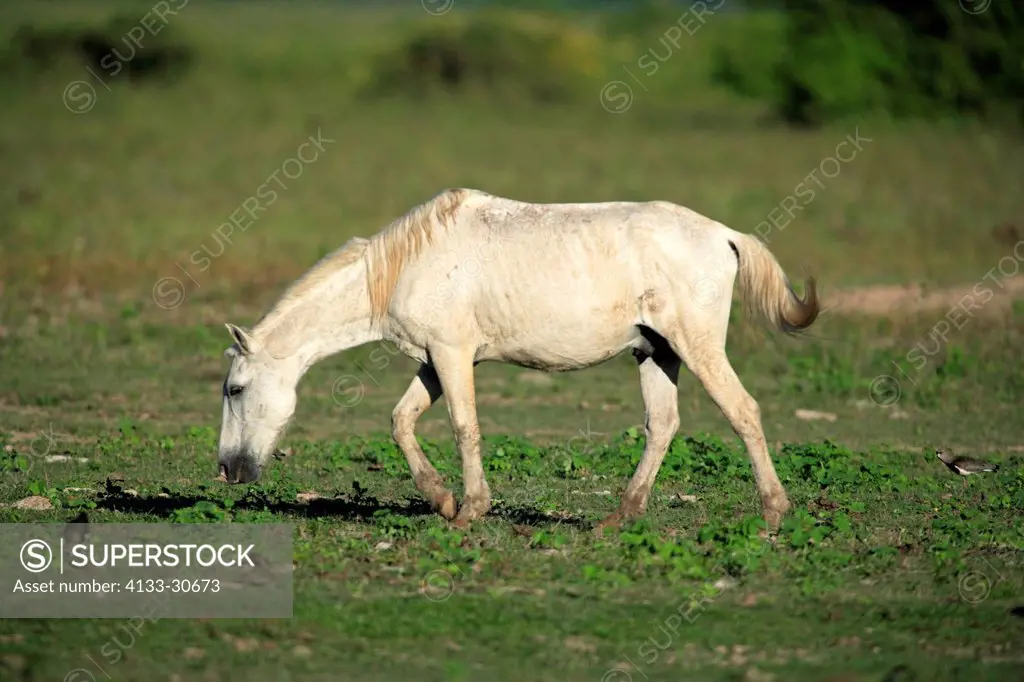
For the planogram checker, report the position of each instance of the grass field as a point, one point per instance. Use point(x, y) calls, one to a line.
point(889, 568)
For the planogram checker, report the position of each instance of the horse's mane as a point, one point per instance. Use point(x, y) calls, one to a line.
point(386, 253)
point(392, 248)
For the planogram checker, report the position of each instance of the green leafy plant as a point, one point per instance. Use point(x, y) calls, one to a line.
point(394, 526)
point(13, 462)
point(203, 512)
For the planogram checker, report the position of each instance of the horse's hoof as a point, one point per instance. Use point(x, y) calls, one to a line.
point(773, 520)
point(444, 504)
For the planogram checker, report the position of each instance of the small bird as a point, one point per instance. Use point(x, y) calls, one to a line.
point(965, 466)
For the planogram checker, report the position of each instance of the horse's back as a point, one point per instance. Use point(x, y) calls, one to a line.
point(562, 284)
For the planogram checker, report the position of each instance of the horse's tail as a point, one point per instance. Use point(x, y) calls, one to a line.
point(764, 286)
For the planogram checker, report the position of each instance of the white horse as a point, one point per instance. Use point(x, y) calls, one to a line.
point(469, 277)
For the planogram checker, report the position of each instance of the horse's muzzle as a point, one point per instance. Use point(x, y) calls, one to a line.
point(239, 470)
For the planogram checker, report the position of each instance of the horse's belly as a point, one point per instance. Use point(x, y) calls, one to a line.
point(552, 350)
point(557, 325)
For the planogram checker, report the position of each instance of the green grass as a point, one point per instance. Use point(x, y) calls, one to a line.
point(887, 560)
point(870, 571)
point(864, 577)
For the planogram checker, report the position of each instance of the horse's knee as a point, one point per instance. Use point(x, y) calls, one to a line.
point(400, 423)
point(662, 428)
point(466, 433)
point(672, 425)
point(403, 421)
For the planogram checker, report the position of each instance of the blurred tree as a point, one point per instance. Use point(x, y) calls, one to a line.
point(904, 58)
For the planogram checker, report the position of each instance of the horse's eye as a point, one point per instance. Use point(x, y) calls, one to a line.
point(234, 390)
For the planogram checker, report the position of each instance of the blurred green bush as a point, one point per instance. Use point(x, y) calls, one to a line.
point(122, 44)
point(843, 58)
point(536, 54)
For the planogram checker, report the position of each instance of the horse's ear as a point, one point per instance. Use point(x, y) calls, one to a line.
point(242, 339)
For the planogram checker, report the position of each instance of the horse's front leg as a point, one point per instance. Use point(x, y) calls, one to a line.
point(454, 367)
point(659, 376)
point(421, 394)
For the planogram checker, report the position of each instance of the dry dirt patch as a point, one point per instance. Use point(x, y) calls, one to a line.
point(910, 298)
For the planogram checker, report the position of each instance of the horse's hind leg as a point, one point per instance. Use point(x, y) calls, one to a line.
point(704, 355)
point(423, 392)
point(659, 376)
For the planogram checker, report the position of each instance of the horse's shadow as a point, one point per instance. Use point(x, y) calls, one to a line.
point(362, 508)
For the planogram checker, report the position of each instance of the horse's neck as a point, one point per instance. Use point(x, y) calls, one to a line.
point(323, 321)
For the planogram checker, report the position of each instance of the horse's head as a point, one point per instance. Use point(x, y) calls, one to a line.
point(259, 399)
